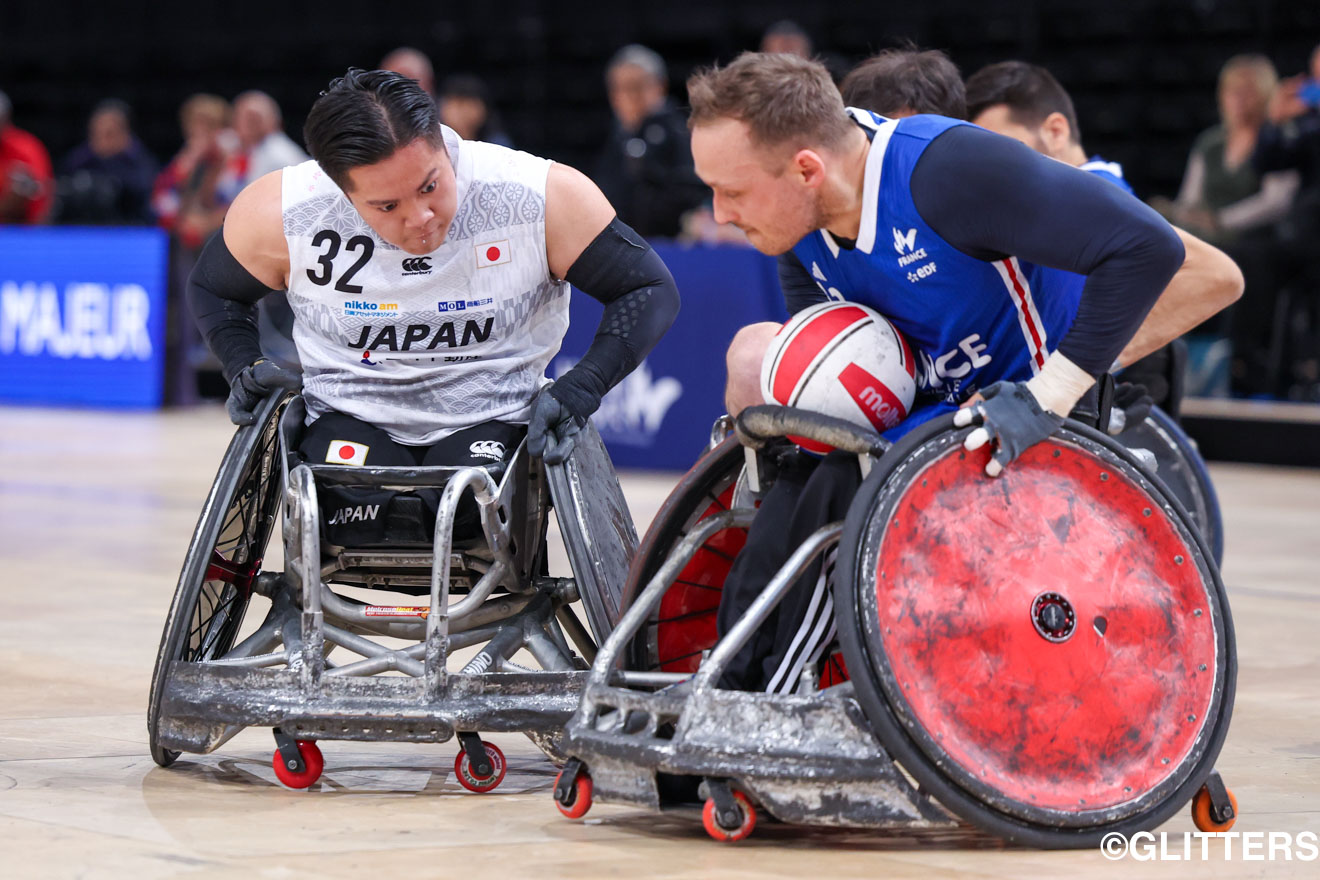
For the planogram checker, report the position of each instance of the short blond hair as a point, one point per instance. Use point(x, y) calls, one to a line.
point(784, 100)
point(1258, 68)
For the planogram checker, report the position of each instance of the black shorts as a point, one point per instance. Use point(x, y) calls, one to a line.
point(357, 517)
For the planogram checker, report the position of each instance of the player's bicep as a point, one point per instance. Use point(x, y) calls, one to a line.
point(576, 211)
point(254, 231)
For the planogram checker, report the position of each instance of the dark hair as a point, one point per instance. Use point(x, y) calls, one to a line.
point(364, 116)
point(898, 81)
point(1030, 92)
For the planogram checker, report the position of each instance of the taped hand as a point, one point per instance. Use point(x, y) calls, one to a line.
point(553, 427)
point(1010, 414)
point(252, 384)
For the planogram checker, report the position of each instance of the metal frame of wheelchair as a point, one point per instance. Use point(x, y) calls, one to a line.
point(854, 754)
point(491, 592)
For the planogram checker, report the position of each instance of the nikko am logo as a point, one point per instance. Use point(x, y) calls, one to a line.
point(361, 309)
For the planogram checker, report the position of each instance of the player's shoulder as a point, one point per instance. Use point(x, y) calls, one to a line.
point(254, 227)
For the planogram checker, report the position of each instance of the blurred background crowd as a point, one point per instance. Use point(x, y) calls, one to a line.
point(1211, 108)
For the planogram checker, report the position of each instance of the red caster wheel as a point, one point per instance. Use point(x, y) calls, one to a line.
point(467, 776)
point(573, 798)
point(1203, 812)
point(313, 764)
point(718, 830)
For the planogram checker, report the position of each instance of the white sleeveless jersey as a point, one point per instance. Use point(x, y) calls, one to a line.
point(425, 346)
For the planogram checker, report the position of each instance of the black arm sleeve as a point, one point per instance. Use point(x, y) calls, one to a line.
point(622, 271)
point(223, 297)
point(990, 197)
point(800, 289)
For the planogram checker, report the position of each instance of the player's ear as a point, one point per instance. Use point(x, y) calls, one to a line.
point(1056, 131)
point(808, 167)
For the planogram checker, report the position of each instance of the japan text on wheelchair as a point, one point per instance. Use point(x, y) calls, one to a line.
point(326, 663)
point(1047, 655)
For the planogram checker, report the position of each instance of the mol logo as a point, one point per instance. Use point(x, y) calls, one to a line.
point(417, 266)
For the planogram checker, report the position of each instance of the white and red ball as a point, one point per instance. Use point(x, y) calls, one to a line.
point(844, 360)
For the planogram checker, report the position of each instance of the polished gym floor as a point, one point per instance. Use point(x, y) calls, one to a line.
point(96, 510)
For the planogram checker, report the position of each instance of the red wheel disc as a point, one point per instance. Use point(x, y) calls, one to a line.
point(686, 624)
point(1048, 631)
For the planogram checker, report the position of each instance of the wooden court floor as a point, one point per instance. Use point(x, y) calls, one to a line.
point(96, 510)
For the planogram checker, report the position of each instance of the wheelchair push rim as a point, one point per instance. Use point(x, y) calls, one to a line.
point(1183, 473)
point(224, 558)
point(1049, 653)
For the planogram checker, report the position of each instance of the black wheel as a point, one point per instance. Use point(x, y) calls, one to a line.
point(1049, 653)
point(684, 624)
point(224, 558)
point(1183, 472)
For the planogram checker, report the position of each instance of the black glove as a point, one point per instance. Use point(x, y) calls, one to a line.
point(1134, 402)
point(553, 427)
point(1011, 415)
point(252, 384)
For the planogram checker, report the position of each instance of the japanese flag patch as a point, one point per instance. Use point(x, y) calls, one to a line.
point(346, 452)
point(493, 253)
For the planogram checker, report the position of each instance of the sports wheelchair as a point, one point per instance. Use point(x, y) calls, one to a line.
point(1047, 656)
point(323, 662)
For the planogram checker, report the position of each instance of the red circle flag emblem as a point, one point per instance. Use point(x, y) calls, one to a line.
point(492, 253)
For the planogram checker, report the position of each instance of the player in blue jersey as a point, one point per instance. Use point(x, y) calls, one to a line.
point(1025, 102)
point(948, 230)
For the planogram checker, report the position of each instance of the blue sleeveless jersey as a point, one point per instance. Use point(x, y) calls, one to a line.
point(975, 322)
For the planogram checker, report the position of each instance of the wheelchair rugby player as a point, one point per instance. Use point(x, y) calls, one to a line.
point(429, 277)
point(1000, 579)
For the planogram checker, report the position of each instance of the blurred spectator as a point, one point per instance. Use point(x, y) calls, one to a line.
point(465, 106)
point(194, 191)
point(260, 129)
point(108, 179)
point(412, 64)
point(27, 186)
point(904, 82)
point(191, 197)
point(1222, 196)
point(788, 38)
point(1290, 139)
point(645, 168)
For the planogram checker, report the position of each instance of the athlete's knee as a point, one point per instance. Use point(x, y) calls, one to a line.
point(743, 361)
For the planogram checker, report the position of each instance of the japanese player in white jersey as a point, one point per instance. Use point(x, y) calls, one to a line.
point(429, 279)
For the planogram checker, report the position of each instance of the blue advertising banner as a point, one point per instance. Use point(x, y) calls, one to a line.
point(82, 315)
point(660, 416)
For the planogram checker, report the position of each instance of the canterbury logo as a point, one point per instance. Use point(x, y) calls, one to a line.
point(417, 266)
point(492, 449)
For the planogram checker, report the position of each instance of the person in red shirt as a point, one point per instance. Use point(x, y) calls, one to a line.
point(27, 182)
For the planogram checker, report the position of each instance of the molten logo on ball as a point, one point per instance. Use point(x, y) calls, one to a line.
point(842, 360)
